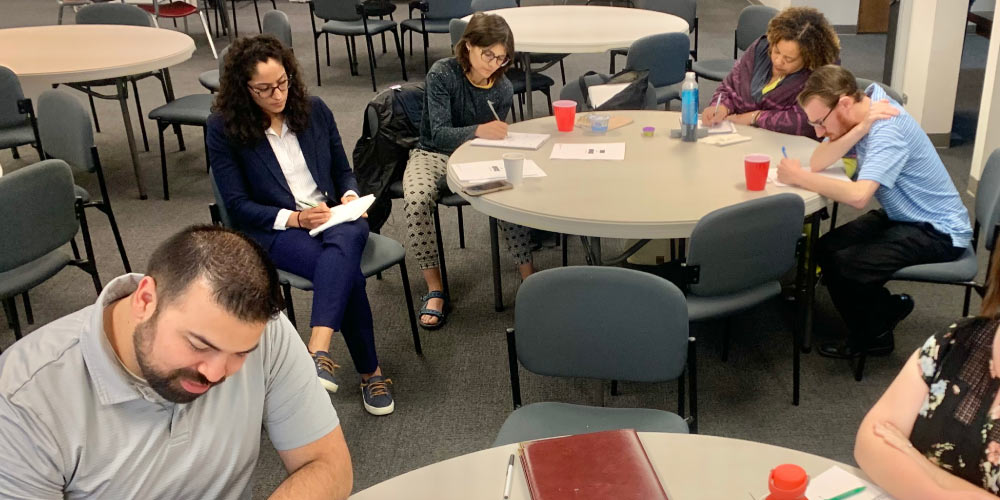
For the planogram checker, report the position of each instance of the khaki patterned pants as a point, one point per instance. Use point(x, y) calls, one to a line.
point(420, 193)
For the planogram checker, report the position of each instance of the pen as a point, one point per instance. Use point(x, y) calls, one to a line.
point(848, 494)
point(510, 476)
point(306, 203)
point(717, 101)
point(783, 152)
point(495, 115)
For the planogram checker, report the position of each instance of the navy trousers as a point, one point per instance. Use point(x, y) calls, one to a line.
point(332, 261)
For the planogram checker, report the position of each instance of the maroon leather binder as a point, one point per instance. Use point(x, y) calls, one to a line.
point(600, 465)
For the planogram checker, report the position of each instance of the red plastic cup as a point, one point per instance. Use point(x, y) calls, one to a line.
point(755, 167)
point(787, 482)
point(565, 112)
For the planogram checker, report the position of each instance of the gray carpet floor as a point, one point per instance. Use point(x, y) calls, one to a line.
point(453, 399)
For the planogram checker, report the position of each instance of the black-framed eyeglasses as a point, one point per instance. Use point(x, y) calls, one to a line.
point(268, 90)
point(489, 57)
point(820, 123)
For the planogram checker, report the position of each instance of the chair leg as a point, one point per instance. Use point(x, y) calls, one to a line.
point(27, 308)
point(399, 52)
point(10, 309)
point(204, 135)
point(565, 249)
point(427, 66)
point(256, 11)
point(142, 121)
point(286, 290)
point(726, 337)
point(326, 37)
point(204, 24)
point(859, 369)
point(76, 249)
point(163, 160)
point(548, 98)
point(90, 264)
point(440, 245)
point(319, 82)
point(371, 59)
point(105, 206)
point(965, 303)
point(93, 111)
point(562, 72)
point(495, 250)
point(354, 53)
point(461, 228)
point(409, 306)
point(14, 153)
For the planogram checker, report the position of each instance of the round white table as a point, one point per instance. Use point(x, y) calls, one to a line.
point(690, 467)
point(581, 29)
point(41, 56)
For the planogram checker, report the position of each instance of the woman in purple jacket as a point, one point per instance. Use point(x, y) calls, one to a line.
point(762, 87)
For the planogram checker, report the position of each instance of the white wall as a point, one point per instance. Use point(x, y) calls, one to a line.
point(839, 12)
point(777, 4)
point(988, 129)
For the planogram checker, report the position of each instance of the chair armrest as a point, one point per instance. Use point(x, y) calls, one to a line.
point(25, 108)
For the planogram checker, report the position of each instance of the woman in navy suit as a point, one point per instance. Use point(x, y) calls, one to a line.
point(279, 163)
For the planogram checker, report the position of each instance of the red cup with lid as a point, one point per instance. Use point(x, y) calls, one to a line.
point(787, 482)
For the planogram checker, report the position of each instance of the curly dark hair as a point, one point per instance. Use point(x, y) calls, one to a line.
point(485, 30)
point(818, 43)
point(244, 120)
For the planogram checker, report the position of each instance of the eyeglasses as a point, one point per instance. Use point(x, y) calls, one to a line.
point(820, 123)
point(489, 57)
point(268, 90)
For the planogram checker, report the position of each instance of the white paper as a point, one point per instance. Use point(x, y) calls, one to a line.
point(600, 151)
point(492, 170)
point(515, 140)
point(600, 94)
point(345, 213)
point(725, 139)
point(833, 172)
point(723, 127)
point(836, 481)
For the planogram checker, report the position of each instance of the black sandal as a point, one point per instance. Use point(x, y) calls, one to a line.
point(440, 315)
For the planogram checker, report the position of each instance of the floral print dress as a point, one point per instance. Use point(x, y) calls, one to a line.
point(956, 428)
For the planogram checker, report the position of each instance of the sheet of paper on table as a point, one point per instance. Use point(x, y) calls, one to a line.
point(514, 140)
point(491, 170)
point(347, 212)
point(724, 139)
point(723, 127)
point(836, 481)
point(600, 151)
point(834, 172)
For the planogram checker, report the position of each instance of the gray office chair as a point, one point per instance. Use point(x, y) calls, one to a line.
point(17, 116)
point(665, 56)
point(540, 82)
point(210, 79)
point(126, 15)
point(275, 23)
point(572, 92)
point(65, 131)
point(544, 59)
point(34, 234)
point(434, 18)
point(192, 110)
point(349, 19)
point(380, 253)
point(724, 279)
point(896, 95)
point(602, 323)
point(750, 26)
point(684, 9)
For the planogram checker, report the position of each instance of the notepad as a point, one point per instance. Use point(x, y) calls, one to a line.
point(491, 170)
point(346, 212)
point(725, 139)
point(599, 151)
point(835, 481)
point(514, 140)
point(723, 127)
point(833, 172)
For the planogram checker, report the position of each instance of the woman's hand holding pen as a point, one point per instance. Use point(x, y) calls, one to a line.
point(713, 115)
point(311, 218)
point(495, 130)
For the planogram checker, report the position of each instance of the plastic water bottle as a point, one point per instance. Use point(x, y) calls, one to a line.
point(787, 482)
point(689, 108)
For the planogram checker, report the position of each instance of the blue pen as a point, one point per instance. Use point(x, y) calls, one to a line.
point(783, 152)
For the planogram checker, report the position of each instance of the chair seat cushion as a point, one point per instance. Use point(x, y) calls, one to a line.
point(713, 69)
point(210, 80)
point(17, 135)
point(25, 277)
point(960, 270)
point(296, 281)
point(381, 253)
point(453, 200)
point(81, 193)
point(668, 93)
point(432, 25)
point(715, 307)
point(172, 9)
point(545, 420)
point(356, 28)
point(539, 81)
point(188, 110)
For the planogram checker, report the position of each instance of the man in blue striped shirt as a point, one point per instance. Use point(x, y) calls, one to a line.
point(922, 219)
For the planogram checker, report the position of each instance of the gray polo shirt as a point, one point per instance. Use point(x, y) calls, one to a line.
point(74, 424)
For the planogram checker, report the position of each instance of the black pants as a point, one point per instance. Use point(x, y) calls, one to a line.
point(859, 257)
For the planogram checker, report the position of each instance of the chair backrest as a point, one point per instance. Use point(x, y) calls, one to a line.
point(114, 13)
point(684, 9)
point(220, 205)
point(601, 322)
point(665, 55)
point(752, 24)
point(747, 244)
point(38, 211)
point(487, 5)
point(222, 61)
point(276, 23)
point(988, 198)
point(572, 92)
point(456, 28)
point(10, 93)
point(337, 10)
point(65, 130)
point(448, 9)
point(896, 95)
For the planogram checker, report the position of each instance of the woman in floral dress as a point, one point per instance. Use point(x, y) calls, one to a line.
point(935, 434)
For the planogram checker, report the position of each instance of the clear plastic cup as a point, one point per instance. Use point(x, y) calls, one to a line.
point(599, 123)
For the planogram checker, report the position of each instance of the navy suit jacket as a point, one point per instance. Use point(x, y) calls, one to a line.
point(252, 184)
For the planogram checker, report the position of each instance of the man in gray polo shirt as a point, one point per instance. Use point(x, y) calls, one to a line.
point(160, 389)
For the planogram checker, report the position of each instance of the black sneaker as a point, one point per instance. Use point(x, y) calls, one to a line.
point(376, 396)
point(883, 343)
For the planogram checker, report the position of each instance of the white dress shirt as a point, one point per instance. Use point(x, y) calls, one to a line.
point(300, 180)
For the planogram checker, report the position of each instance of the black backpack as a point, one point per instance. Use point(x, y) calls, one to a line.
point(391, 129)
